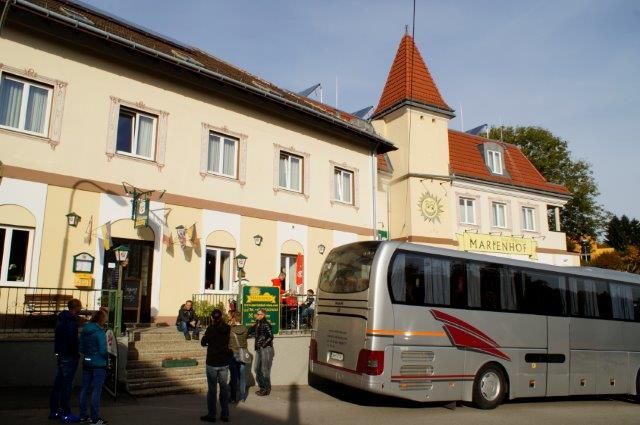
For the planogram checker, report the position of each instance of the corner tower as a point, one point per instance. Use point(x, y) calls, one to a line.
point(412, 113)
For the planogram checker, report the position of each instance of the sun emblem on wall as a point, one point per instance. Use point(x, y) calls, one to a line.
point(430, 207)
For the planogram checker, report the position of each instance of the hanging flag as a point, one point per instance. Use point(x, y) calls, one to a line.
point(167, 237)
point(182, 235)
point(89, 231)
point(300, 270)
point(106, 236)
point(192, 237)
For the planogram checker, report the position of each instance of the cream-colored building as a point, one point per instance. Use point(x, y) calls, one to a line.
point(92, 109)
point(456, 190)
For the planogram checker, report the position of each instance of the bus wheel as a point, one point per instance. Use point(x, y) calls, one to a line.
point(638, 387)
point(489, 387)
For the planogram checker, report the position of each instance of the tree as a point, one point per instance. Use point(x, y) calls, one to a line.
point(582, 215)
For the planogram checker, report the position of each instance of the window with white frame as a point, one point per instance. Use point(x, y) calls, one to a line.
point(528, 218)
point(222, 155)
point(499, 214)
point(494, 161)
point(136, 133)
point(288, 265)
point(15, 254)
point(343, 185)
point(467, 211)
point(25, 105)
point(218, 273)
point(290, 172)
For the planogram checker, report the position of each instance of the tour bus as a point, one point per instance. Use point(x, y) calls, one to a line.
point(432, 324)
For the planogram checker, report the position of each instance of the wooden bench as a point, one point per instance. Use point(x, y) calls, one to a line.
point(46, 303)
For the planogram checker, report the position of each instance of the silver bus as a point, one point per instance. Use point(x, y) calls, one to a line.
point(432, 324)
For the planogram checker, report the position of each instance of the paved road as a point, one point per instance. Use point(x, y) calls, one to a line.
point(308, 406)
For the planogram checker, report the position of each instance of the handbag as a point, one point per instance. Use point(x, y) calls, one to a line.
point(243, 355)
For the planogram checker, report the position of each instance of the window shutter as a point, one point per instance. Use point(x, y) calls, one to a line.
point(112, 130)
point(161, 142)
point(204, 146)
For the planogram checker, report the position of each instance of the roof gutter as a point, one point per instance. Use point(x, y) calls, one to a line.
point(136, 46)
point(5, 13)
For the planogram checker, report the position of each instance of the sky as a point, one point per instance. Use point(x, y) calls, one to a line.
point(570, 66)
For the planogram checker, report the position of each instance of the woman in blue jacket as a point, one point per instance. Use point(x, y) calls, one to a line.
point(93, 346)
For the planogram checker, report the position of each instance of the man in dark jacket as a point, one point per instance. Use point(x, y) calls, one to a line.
point(264, 352)
point(216, 339)
point(187, 321)
point(66, 347)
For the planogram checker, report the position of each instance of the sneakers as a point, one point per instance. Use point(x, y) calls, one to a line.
point(196, 337)
point(207, 418)
point(263, 392)
point(69, 418)
point(187, 337)
point(99, 421)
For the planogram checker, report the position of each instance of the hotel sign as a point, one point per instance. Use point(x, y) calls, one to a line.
point(500, 244)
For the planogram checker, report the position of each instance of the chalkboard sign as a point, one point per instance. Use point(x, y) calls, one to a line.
point(130, 293)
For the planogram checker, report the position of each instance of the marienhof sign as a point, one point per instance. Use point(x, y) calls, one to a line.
point(266, 297)
point(500, 244)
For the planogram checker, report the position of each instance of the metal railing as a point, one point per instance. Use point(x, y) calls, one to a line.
point(30, 310)
point(296, 314)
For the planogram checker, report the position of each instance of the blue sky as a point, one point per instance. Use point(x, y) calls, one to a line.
point(571, 66)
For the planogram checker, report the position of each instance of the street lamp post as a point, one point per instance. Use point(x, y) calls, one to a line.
point(122, 254)
point(241, 260)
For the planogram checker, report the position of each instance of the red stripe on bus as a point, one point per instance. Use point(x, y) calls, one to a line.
point(432, 377)
point(447, 318)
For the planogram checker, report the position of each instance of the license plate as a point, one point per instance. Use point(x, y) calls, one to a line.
point(336, 356)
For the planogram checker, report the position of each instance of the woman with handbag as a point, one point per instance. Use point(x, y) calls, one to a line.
point(241, 356)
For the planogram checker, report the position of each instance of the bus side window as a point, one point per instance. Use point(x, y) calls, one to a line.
point(490, 287)
point(414, 286)
point(622, 301)
point(458, 282)
point(635, 291)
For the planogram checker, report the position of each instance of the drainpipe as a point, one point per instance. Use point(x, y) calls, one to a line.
point(374, 190)
point(5, 13)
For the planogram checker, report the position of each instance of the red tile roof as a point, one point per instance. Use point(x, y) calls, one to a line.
point(409, 79)
point(384, 163)
point(466, 160)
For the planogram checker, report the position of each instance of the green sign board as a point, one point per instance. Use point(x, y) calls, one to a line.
point(256, 297)
point(383, 235)
point(140, 214)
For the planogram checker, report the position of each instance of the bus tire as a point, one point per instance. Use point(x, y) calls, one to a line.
point(489, 387)
point(638, 387)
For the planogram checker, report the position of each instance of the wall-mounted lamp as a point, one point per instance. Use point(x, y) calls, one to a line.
point(257, 239)
point(73, 219)
point(321, 249)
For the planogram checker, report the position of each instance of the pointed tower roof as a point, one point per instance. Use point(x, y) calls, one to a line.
point(410, 80)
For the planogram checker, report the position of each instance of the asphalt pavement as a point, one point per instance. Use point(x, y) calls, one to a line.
point(334, 406)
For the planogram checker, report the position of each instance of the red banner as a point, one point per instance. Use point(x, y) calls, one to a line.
point(300, 270)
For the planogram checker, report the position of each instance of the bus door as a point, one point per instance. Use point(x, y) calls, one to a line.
point(558, 356)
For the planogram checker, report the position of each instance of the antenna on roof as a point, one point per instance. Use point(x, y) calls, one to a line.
point(406, 30)
point(337, 92)
point(461, 119)
point(362, 112)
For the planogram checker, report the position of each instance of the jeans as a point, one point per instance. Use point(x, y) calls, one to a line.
point(238, 382)
point(185, 327)
point(61, 393)
point(218, 376)
point(92, 381)
point(264, 359)
point(307, 314)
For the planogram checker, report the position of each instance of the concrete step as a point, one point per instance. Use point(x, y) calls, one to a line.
point(158, 335)
point(166, 353)
point(150, 392)
point(157, 363)
point(159, 372)
point(156, 383)
point(164, 344)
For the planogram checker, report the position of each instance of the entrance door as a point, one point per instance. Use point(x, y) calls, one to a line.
point(136, 279)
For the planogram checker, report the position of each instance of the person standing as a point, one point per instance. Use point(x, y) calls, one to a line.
point(216, 339)
point(93, 346)
point(67, 353)
point(237, 344)
point(187, 321)
point(264, 352)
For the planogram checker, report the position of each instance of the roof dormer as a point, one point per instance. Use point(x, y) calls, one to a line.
point(494, 158)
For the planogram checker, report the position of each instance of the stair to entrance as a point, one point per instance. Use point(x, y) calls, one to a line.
point(148, 347)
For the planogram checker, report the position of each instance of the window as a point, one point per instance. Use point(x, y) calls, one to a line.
point(499, 213)
point(15, 254)
point(218, 269)
point(347, 269)
point(552, 215)
point(288, 265)
point(467, 211)
point(590, 298)
point(222, 155)
point(136, 134)
point(25, 105)
point(290, 172)
point(528, 218)
point(494, 161)
point(343, 185)
point(623, 301)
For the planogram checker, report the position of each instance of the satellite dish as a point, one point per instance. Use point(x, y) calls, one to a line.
point(308, 91)
point(362, 113)
point(484, 128)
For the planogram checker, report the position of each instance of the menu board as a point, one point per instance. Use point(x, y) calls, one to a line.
point(130, 293)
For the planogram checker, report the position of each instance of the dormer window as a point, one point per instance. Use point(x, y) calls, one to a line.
point(494, 161)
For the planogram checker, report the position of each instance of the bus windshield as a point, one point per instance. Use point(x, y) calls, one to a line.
point(346, 269)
